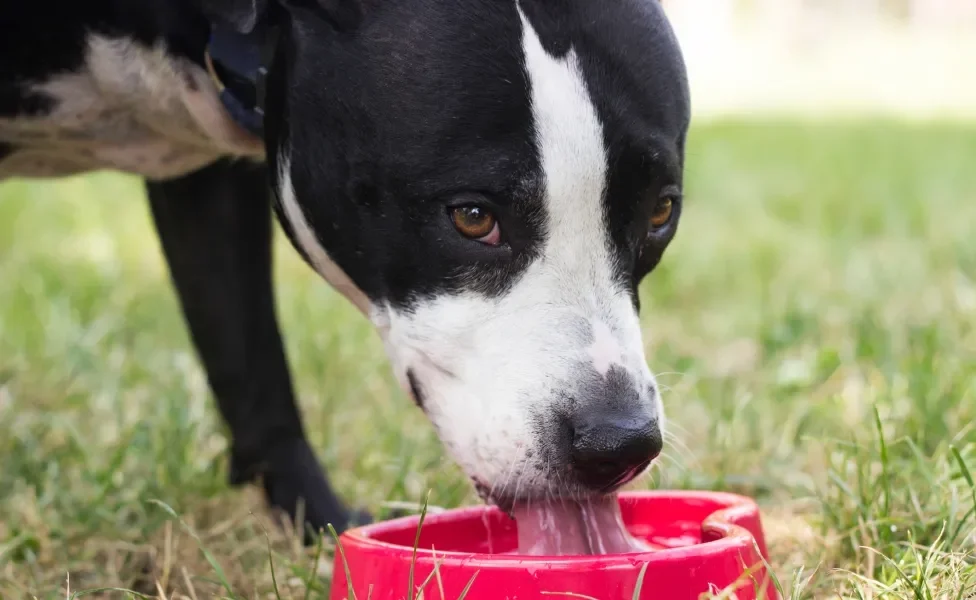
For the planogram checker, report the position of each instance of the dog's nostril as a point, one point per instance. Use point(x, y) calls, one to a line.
point(608, 454)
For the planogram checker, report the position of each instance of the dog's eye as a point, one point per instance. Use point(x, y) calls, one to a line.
point(662, 213)
point(476, 223)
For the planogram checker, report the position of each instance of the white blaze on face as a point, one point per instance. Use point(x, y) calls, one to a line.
point(574, 162)
point(492, 369)
point(309, 242)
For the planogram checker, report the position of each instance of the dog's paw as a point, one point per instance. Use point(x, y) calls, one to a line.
point(294, 478)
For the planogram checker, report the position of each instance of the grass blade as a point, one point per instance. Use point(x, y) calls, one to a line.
point(411, 593)
point(640, 582)
point(916, 590)
point(274, 580)
point(206, 553)
point(964, 469)
point(440, 581)
point(467, 588)
point(968, 476)
point(315, 560)
point(770, 576)
point(434, 573)
point(885, 479)
point(82, 593)
point(350, 592)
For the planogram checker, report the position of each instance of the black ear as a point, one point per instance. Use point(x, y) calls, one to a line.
point(242, 15)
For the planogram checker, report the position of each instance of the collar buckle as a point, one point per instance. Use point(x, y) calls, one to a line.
point(238, 64)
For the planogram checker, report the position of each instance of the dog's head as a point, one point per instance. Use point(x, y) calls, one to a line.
point(489, 181)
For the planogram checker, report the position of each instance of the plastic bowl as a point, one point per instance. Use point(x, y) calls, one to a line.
point(701, 542)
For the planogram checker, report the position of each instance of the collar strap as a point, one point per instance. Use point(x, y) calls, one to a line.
point(238, 65)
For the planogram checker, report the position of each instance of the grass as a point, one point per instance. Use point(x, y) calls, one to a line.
point(814, 324)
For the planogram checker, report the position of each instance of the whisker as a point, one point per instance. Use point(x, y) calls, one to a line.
point(675, 463)
point(676, 434)
point(664, 387)
point(548, 477)
point(517, 473)
point(672, 425)
point(560, 485)
point(680, 447)
point(508, 476)
point(521, 476)
point(662, 373)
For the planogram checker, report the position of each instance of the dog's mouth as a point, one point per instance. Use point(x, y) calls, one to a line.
point(566, 527)
point(574, 525)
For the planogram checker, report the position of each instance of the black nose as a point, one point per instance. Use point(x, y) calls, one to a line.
point(609, 452)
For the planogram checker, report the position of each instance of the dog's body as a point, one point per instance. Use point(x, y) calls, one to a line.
point(487, 180)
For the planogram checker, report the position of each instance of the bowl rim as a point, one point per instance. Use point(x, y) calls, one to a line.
point(732, 537)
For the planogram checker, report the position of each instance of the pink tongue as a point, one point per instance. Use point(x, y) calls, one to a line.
point(564, 528)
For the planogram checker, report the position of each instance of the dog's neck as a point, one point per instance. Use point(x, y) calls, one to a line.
point(113, 96)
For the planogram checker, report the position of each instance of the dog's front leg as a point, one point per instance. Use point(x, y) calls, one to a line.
point(215, 229)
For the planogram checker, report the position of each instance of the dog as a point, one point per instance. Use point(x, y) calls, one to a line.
point(487, 181)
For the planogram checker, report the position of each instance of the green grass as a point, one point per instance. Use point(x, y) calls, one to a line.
point(814, 324)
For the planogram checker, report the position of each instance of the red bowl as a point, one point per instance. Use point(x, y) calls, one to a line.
point(701, 542)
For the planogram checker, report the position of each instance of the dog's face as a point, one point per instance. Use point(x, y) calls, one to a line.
point(489, 181)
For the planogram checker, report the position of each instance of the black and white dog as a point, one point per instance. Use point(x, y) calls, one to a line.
point(486, 180)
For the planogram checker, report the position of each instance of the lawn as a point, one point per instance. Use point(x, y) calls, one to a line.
point(813, 324)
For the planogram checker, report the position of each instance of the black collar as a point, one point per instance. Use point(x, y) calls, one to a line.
point(238, 64)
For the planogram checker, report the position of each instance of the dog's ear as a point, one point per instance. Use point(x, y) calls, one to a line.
point(242, 15)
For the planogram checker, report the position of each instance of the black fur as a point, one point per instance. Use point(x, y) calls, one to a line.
point(219, 254)
point(415, 126)
point(215, 230)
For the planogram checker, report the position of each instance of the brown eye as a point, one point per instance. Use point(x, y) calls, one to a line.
point(662, 213)
point(476, 223)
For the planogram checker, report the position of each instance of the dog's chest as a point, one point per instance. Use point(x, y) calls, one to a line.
point(131, 108)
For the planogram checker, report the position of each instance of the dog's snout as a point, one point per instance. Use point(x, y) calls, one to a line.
point(609, 451)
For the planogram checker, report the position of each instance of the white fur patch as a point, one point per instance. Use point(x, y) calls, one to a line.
point(605, 350)
point(130, 107)
point(493, 369)
point(570, 141)
point(309, 242)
